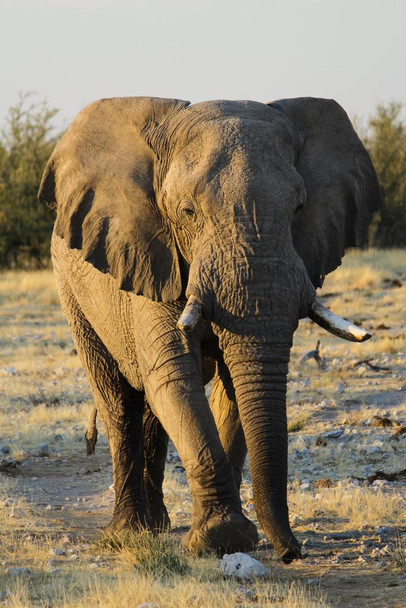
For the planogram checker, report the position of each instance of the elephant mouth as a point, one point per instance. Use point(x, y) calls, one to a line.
point(192, 313)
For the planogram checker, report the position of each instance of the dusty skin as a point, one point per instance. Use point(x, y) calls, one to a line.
point(346, 422)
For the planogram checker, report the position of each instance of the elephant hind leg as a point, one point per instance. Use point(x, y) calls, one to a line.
point(121, 408)
point(225, 412)
point(155, 450)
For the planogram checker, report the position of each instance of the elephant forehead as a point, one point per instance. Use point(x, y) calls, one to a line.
point(231, 148)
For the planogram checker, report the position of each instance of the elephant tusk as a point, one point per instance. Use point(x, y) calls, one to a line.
point(191, 315)
point(336, 325)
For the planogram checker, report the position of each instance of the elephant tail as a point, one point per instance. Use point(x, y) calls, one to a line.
point(91, 433)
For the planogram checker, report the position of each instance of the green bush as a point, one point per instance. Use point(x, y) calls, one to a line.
point(26, 144)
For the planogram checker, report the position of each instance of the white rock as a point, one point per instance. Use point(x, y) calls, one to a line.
point(242, 566)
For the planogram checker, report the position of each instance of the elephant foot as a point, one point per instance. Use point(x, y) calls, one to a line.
point(129, 519)
point(159, 518)
point(227, 532)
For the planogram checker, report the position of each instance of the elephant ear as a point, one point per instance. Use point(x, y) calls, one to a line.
point(340, 180)
point(100, 179)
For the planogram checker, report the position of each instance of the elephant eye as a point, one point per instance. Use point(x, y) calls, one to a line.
point(186, 211)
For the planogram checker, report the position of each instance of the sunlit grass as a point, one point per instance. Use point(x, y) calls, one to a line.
point(349, 507)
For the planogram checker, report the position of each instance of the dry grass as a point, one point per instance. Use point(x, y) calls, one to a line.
point(132, 590)
point(349, 507)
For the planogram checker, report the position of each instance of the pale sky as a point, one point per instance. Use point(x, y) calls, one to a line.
point(72, 52)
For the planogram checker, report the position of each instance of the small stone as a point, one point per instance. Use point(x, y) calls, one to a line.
point(242, 566)
point(57, 552)
point(306, 542)
point(4, 449)
point(373, 449)
point(42, 450)
point(295, 520)
point(382, 483)
point(362, 559)
point(16, 571)
point(10, 371)
point(243, 595)
point(54, 571)
point(333, 434)
point(313, 582)
point(17, 513)
point(383, 530)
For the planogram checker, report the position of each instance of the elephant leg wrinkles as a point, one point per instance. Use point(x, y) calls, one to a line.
point(170, 364)
point(155, 450)
point(225, 411)
point(121, 409)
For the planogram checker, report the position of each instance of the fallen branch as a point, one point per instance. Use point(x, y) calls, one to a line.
point(375, 368)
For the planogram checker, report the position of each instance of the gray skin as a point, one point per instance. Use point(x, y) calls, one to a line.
point(246, 206)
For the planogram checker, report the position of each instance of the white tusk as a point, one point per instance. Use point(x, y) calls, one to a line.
point(191, 315)
point(336, 325)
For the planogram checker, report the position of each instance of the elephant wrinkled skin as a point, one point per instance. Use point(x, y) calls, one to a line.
point(242, 208)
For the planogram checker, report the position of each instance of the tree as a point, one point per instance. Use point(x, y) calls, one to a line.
point(386, 142)
point(27, 142)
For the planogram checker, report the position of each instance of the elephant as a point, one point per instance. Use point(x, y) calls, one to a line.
point(189, 240)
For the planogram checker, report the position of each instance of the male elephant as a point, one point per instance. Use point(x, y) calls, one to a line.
point(189, 240)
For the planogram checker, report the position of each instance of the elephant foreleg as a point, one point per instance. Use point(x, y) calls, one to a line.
point(155, 450)
point(225, 412)
point(171, 369)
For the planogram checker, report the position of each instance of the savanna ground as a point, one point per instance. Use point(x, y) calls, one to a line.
point(346, 465)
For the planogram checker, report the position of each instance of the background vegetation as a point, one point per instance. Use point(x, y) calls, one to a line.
point(29, 135)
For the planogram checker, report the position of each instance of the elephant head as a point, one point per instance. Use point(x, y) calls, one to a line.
point(238, 206)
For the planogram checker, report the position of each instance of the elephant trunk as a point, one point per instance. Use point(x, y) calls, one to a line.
point(259, 374)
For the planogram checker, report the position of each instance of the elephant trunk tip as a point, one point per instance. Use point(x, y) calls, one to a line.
point(336, 325)
point(191, 315)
